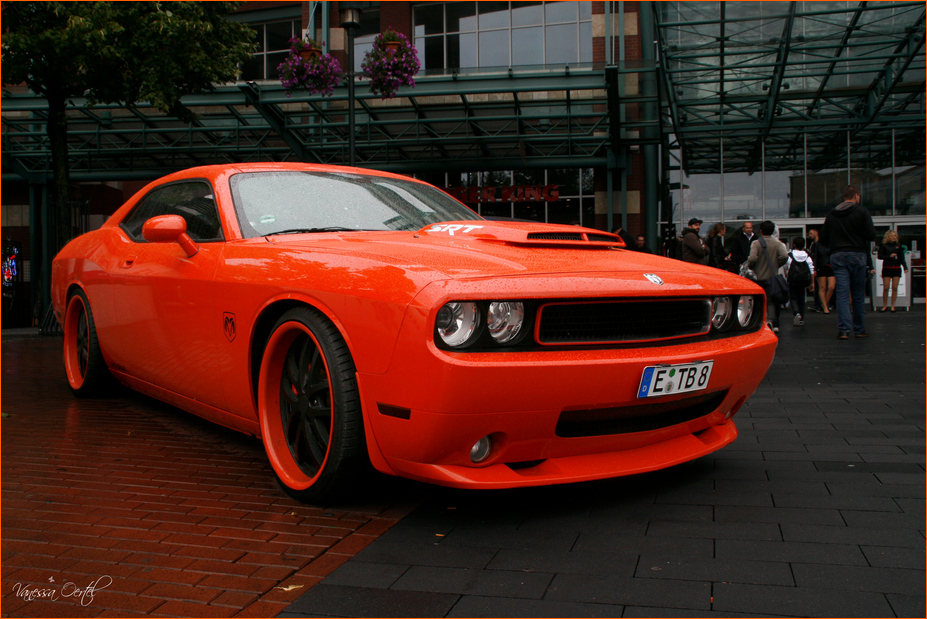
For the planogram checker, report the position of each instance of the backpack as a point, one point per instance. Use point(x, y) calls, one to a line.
point(799, 275)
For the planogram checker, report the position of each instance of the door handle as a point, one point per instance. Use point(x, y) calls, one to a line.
point(128, 262)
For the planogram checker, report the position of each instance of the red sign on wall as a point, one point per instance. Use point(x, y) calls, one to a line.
point(515, 193)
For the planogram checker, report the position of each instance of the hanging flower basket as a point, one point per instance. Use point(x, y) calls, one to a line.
point(391, 63)
point(307, 68)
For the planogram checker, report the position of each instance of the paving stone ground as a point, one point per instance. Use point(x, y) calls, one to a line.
point(816, 510)
point(166, 514)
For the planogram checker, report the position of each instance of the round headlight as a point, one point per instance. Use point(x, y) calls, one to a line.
point(456, 322)
point(721, 309)
point(745, 308)
point(505, 319)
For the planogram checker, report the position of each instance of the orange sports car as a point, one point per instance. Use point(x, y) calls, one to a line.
point(347, 316)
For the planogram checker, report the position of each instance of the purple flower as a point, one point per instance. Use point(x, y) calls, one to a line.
point(387, 70)
point(317, 75)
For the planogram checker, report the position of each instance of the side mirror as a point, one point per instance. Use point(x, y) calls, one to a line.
point(169, 229)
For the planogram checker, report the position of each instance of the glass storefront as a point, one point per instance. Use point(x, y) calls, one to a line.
point(897, 191)
point(797, 200)
point(561, 196)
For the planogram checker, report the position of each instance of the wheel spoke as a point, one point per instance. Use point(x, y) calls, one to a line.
point(305, 404)
point(83, 356)
point(307, 360)
point(316, 443)
point(83, 344)
point(289, 383)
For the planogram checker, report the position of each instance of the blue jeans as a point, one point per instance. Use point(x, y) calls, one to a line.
point(850, 272)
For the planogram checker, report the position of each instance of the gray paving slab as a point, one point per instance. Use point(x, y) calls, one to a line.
point(816, 510)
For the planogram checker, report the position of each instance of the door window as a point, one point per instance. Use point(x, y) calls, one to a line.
point(194, 201)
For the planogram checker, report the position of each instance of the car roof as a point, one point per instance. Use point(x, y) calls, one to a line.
point(216, 171)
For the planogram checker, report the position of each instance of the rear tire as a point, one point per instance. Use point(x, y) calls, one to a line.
point(83, 362)
point(310, 408)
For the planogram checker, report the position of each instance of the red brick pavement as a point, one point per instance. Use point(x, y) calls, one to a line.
point(165, 514)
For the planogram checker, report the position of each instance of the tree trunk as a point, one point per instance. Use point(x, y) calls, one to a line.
point(57, 129)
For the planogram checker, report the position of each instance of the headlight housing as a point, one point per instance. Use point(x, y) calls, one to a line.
point(481, 325)
point(746, 306)
point(735, 312)
point(504, 319)
point(721, 311)
point(457, 323)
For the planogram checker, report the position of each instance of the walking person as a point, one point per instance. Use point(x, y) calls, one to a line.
point(717, 256)
point(767, 254)
point(891, 253)
point(800, 275)
point(847, 231)
point(824, 280)
point(693, 249)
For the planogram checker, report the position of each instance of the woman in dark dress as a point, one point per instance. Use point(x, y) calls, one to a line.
point(892, 256)
point(717, 257)
point(825, 281)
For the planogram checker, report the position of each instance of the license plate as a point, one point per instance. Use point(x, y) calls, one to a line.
point(660, 380)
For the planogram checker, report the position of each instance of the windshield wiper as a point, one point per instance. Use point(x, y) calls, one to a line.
point(304, 230)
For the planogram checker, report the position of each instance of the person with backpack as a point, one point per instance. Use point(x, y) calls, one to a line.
point(799, 269)
point(767, 254)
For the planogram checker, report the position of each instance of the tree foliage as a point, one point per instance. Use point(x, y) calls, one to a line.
point(118, 52)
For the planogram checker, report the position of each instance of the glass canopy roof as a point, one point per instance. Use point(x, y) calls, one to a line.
point(770, 78)
point(501, 120)
point(772, 73)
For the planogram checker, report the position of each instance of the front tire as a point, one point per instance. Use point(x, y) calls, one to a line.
point(309, 406)
point(83, 362)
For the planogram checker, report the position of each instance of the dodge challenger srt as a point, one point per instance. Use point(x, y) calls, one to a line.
point(350, 318)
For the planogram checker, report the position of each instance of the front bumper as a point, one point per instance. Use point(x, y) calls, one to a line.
point(425, 413)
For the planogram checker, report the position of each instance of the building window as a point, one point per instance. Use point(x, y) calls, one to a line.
point(463, 35)
point(363, 39)
point(273, 39)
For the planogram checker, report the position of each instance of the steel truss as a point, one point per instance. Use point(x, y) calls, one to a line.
point(454, 122)
point(767, 74)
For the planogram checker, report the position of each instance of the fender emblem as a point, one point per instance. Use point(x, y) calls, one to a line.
point(229, 326)
point(655, 279)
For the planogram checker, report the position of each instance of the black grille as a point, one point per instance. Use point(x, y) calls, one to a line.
point(555, 236)
point(628, 321)
point(642, 418)
point(602, 238)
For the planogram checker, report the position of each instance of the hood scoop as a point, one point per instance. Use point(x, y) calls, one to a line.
point(525, 234)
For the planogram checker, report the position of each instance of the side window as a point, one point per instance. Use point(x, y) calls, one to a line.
point(194, 201)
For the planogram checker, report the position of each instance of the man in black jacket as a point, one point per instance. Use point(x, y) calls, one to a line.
point(625, 236)
point(693, 249)
point(847, 232)
point(740, 244)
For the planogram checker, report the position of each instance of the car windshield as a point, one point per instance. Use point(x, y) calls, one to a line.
point(285, 202)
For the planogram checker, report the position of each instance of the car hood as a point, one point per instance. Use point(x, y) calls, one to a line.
point(468, 249)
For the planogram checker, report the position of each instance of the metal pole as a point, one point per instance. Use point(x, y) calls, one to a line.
point(648, 86)
point(351, 152)
point(805, 172)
